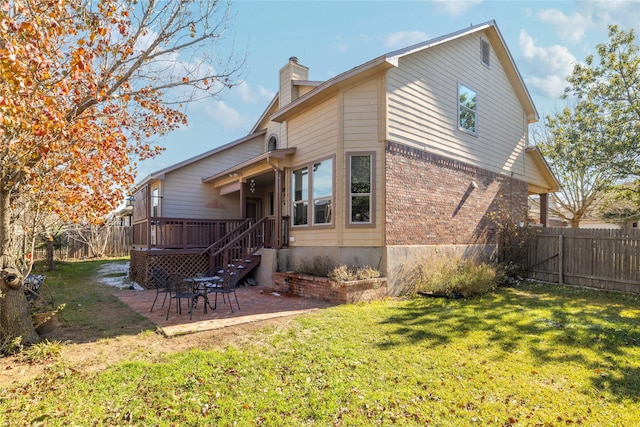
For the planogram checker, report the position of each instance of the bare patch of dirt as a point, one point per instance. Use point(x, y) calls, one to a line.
point(92, 349)
point(80, 354)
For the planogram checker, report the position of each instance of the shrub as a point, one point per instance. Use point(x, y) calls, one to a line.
point(508, 274)
point(456, 278)
point(43, 351)
point(344, 273)
point(316, 266)
point(10, 346)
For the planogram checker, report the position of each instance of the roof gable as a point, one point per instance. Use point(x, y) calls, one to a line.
point(160, 174)
point(391, 59)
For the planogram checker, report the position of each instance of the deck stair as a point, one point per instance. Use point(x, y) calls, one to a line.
point(238, 251)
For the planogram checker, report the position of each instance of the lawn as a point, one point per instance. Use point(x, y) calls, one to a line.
point(526, 356)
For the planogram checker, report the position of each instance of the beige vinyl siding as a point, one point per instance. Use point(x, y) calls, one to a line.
point(276, 129)
point(185, 196)
point(314, 133)
point(423, 107)
point(534, 176)
point(362, 115)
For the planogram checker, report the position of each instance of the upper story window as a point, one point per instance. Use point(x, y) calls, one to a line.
point(485, 52)
point(313, 186)
point(467, 109)
point(272, 143)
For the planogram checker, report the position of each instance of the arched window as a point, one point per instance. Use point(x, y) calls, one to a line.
point(272, 143)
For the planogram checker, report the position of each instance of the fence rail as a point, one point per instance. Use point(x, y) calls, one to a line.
point(599, 258)
point(117, 245)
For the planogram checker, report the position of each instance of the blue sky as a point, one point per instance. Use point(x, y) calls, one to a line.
point(545, 39)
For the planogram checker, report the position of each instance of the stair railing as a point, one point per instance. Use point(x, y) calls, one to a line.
point(228, 237)
point(241, 246)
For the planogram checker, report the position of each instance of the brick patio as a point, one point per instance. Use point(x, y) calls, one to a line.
point(256, 303)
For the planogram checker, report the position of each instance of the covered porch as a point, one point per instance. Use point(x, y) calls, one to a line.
point(185, 246)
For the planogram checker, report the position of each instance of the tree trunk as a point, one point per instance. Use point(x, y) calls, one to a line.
point(575, 221)
point(15, 316)
point(50, 253)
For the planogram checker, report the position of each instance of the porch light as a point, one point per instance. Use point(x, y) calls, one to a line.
point(252, 185)
point(129, 200)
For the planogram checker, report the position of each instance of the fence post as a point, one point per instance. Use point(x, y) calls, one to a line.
point(560, 258)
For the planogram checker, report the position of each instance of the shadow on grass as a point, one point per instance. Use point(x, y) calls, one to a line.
point(554, 324)
point(91, 310)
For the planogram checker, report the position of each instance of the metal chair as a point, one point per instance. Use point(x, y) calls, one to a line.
point(32, 284)
point(161, 284)
point(185, 289)
point(228, 287)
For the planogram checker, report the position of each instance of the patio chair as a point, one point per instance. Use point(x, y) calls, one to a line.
point(161, 284)
point(228, 287)
point(32, 284)
point(185, 289)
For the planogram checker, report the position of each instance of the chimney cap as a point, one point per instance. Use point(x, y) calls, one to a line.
point(293, 59)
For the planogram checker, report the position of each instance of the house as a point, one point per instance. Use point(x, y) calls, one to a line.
point(413, 151)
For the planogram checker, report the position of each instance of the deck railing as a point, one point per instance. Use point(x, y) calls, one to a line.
point(181, 233)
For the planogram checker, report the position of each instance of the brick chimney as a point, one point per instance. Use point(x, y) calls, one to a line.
point(290, 72)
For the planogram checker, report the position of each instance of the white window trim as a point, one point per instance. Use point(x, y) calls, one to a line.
point(310, 199)
point(460, 128)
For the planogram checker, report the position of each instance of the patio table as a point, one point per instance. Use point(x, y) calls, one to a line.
point(203, 284)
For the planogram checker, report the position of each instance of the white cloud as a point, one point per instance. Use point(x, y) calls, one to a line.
point(248, 95)
point(404, 38)
point(245, 94)
point(226, 116)
point(551, 86)
point(625, 13)
point(547, 66)
point(266, 93)
point(571, 28)
point(456, 7)
point(591, 16)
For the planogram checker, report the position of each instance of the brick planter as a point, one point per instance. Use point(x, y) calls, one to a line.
point(323, 288)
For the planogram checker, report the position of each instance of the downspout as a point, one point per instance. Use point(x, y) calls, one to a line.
point(278, 202)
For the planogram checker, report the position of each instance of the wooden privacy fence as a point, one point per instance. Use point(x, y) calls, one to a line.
point(118, 244)
point(598, 258)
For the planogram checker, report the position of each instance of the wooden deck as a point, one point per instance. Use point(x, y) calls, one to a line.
point(187, 247)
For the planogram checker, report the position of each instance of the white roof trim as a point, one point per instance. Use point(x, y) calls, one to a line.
point(392, 58)
point(162, 172)
point(329, 84)
point(264, 113)
point(280, 153)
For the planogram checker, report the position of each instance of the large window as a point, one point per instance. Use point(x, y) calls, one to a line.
point(318, 177)
point(360, 188)
point(300, 196)
point(467, 109)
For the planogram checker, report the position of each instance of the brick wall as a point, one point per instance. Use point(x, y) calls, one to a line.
point(430, 199)
point(323, 288)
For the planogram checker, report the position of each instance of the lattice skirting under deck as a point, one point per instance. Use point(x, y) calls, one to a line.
point(180, 264)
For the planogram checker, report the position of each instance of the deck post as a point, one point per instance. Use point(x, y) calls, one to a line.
point(544, 209)
point(278, 211)
point(243, 207)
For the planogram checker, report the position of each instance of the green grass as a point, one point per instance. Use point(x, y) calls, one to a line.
point(536, 355)
point(91, 306)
